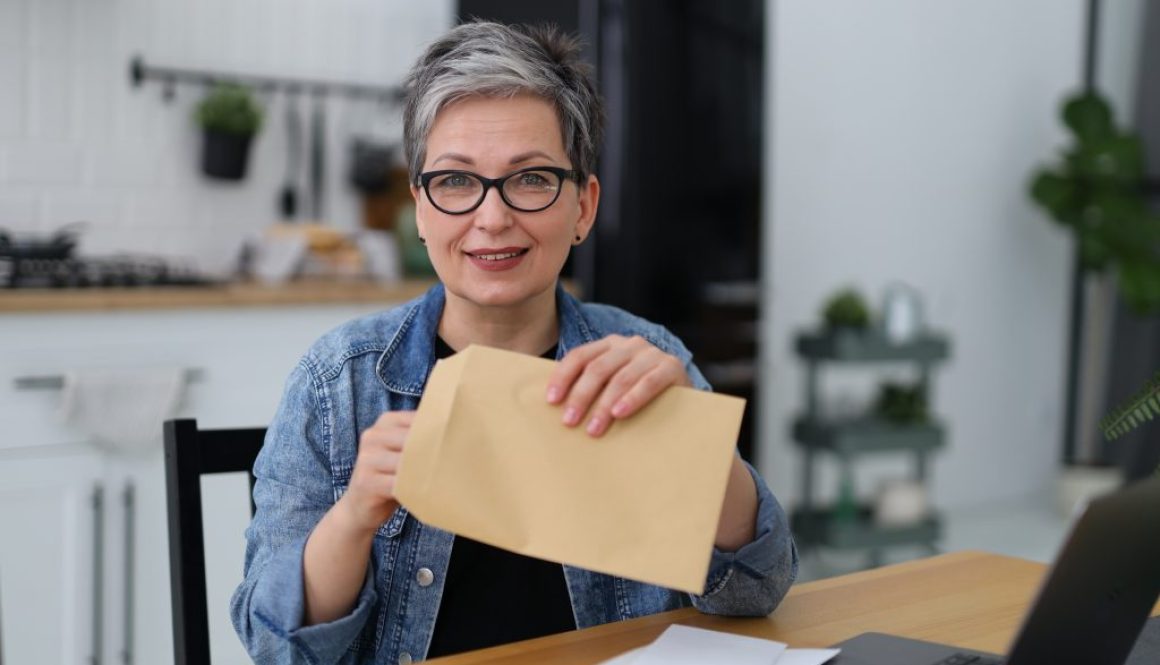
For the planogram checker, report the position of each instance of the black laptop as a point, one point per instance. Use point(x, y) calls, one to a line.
point(1089, 611)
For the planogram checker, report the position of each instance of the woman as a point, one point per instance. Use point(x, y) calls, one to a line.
point(502, 127)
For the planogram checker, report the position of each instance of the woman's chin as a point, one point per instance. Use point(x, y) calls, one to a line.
point(498, 294)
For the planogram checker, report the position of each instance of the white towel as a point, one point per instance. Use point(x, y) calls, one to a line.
point(122, 410)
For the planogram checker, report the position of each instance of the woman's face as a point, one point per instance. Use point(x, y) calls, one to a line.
point(496, 255)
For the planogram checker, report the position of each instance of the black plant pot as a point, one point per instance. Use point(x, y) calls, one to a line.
point(224, 156)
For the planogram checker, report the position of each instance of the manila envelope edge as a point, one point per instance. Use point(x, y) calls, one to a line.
point(687, 576)
point(421, 450)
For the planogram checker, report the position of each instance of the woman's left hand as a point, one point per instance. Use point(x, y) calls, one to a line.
point(612, 378)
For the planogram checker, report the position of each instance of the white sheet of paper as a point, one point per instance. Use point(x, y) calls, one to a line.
point(681, 645)
point(807, 656)
point(642, 655)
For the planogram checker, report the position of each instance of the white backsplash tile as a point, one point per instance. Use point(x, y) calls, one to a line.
point(43, 163)
point(78, 141)
point(50, 99)
point(12, 24)
point(96, 210)
point(49, 27)
point(12, 81)
point(19, 213)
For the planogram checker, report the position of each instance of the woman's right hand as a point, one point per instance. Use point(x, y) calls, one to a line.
point(370, 497)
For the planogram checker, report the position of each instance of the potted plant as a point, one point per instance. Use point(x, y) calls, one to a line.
point(846, 310)
point(1143, 407)
point(1097, 192)
point(229, 118)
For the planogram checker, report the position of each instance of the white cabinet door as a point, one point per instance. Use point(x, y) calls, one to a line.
point(137, 563)
point(46, 521)
point(47, 567)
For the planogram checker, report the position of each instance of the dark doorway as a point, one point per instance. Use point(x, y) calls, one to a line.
point(677, 239)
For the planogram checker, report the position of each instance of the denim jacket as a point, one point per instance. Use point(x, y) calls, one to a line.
point(339, 388)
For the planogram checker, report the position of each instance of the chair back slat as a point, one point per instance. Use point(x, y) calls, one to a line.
point(190, 453)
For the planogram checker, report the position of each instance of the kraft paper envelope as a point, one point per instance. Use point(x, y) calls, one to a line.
point(488, 458)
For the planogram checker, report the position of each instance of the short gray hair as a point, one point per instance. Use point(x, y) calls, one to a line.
point(494, 60)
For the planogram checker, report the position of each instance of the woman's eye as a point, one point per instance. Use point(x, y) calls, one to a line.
point(453, 181)
point(533, 180)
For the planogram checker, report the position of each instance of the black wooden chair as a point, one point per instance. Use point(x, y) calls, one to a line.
point(190, 453)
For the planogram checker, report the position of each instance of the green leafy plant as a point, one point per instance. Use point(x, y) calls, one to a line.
point(1144, 406)
point(901, 404)
point(1097, 191)
point(229, 109)
point(846, 309)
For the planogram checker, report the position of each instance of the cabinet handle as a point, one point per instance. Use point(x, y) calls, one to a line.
point(98, 503)
point(129, 498)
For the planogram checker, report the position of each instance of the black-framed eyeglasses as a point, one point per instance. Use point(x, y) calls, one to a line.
point(532, 189)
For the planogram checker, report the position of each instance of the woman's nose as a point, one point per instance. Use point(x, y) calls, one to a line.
point(493, 214)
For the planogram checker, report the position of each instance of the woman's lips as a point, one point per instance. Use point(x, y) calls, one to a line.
point(496, 260)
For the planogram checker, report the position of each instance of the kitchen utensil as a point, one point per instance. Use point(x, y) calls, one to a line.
point(59, 245)
point(288, 199)
point(317, 157)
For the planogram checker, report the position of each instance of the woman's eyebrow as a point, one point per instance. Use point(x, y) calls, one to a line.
point(454, 156)
point(525, 156)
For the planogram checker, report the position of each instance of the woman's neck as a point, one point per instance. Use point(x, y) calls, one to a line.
point(530, 327)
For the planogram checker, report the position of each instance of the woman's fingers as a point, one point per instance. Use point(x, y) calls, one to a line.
point(371, 491)
point(571, 366)
point(608, 404)
point(649, 386)
point(581, 379)
point(612, 378)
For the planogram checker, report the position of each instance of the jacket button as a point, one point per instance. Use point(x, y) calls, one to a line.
point(404, 658)
point(425, 577)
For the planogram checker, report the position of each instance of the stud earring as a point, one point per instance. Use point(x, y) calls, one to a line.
point(422, 240)
point(577, 240)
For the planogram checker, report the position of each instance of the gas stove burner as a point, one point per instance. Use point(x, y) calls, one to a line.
point(96, 272)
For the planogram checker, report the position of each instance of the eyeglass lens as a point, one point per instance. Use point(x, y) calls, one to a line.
point(526, 190)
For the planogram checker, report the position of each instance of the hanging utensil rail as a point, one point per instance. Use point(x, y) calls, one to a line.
point(141, 73)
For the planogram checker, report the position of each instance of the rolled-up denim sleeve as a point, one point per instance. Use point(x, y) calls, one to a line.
point(294, 489)
point(754, 579)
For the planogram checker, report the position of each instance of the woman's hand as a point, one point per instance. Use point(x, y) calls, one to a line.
point(612, 378)
point(369, 499)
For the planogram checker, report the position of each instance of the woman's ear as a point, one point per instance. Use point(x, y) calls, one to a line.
point(589, 202)
point(417, 193)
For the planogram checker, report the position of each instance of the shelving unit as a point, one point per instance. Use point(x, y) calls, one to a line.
point(852, 526)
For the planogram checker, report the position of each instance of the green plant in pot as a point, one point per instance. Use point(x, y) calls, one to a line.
point(1097, 192)
point(229, 118)
point(846, 310)
point(901, 404)
point(1142, 408)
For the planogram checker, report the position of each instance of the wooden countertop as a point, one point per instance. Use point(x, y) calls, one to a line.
point(974, 600)
point(246, 294)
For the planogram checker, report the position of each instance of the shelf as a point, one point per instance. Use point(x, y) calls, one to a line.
point(867, 435)
point(818, 527)
point(870, 346)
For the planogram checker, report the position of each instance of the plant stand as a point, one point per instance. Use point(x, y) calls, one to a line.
point(848, 524)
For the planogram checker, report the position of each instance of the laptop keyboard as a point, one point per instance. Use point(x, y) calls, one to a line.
point(968, 659)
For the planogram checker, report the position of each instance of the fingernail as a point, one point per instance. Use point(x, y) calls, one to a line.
point(595, 425)
point(553, 394)
point(619, 409)
point(571, 415)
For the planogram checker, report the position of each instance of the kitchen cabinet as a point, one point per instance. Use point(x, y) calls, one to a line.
point(84, 567)
point(48, 556)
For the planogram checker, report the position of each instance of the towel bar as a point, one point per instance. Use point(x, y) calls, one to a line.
point(57, 382)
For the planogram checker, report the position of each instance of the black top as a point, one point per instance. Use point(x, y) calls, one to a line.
point(492, 596)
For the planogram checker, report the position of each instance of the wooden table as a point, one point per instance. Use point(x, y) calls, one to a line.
point(970, 599)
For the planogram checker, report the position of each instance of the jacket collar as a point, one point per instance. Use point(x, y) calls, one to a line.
point(410, 355)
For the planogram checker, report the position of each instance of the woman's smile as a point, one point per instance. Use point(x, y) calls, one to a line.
point(497, 259)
